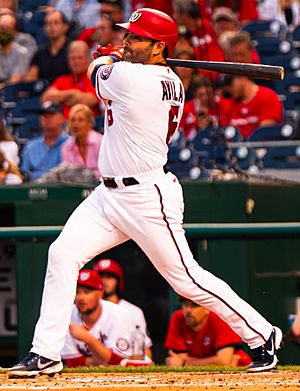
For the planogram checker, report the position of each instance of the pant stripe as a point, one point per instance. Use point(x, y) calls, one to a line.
point(187, 271)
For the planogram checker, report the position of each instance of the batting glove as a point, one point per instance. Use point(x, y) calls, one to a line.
point(115, 53)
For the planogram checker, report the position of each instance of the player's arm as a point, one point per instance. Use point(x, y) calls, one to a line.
point(224, 357)
point(103, 56)
point(101, 354)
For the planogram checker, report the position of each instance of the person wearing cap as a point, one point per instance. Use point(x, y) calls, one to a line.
point(136, 199)
point(43, 153)
point(224, 19)
point(198, 337)
point(112, 277)
point(99, 331)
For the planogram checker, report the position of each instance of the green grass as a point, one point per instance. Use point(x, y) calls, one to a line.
point(161, 368)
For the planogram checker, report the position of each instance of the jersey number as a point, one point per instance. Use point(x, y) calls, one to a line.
point(173, 122)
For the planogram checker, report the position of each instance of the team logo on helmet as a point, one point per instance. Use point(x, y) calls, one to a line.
point(84, 276)
point(105, 263)
point(135, 16)
point(122, 344)
point(105, 71)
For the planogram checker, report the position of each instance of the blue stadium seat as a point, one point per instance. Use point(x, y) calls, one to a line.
point(33, 23)
point(26, 89)
point(273, 132)
point(287, 157)
point(244, 157)
point(272, 46)
point(27, 130)
point(31, 5)
point(181, 161)
point(259, 28)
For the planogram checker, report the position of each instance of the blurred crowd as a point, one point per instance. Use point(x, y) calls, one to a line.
point(67, 134)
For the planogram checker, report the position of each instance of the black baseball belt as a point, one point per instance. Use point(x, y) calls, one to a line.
point(110, 182)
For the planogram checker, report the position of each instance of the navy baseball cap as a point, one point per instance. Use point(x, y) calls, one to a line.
point(91, 279)
point(50, 107)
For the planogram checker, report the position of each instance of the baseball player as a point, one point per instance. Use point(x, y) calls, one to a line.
point(112, 278)
point(197, 336)
point(94, 336)
point(137, 200)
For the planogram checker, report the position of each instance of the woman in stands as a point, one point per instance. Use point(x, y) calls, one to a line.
point(8, 144)
point(82, 149)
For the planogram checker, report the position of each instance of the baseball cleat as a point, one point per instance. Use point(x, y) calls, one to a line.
point(264, 357)
point(34, 364)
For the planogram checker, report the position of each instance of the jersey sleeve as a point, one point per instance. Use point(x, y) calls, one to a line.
point(112, 82)
point(119, 338)
point(225, 336)
point(175, 338)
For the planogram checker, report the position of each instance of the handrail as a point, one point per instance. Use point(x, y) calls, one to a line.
point(205, 230)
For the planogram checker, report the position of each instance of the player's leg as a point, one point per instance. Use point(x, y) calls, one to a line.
point(86, 234)
point(157, 228)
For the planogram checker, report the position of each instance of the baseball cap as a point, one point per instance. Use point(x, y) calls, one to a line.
point(90, 278)
point(224, 13)
point(50, 107)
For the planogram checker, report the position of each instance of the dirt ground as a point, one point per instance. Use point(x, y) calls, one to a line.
point(277, 380)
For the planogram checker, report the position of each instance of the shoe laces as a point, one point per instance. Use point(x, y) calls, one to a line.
point(29, 358)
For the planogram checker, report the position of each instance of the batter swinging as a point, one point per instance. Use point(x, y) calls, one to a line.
point(137, 200)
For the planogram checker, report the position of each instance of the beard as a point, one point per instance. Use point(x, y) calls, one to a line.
point(137, 57)
point(89, 311)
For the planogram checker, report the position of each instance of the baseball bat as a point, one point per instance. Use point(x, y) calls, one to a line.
point(255, 71)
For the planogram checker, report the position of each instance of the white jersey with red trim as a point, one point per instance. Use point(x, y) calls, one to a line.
point(138, 318)
point(113, 328)
point(136, 141)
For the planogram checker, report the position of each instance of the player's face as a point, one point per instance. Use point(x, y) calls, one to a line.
point(194, 314)
point(137, 49)
point(110, 283)
point(87, 300)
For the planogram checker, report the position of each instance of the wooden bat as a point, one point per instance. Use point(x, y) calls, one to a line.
point(255, 71)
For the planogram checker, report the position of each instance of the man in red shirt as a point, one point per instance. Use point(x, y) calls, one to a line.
point(252, 106)
point(75, 87)
point(197, 336)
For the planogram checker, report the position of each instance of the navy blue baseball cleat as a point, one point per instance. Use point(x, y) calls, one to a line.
point(34, 364)
point(264, 357)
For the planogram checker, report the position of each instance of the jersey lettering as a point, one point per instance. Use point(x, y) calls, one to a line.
point(110, 119)
point(169, 91)
point(173, 122)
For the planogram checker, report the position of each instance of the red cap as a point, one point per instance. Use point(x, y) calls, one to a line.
point(154, 24)
point(90, 278)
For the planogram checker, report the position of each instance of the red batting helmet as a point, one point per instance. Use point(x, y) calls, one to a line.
point(153, 24)
point(110, 266)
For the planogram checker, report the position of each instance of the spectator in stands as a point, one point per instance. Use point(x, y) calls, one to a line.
point(204, 110)
point(197, 336)
point(11, 4)
point(287, 12)
point(188, 76)
point(112, 277)
point(252, 105)
point(105, 33)
point(81, 13)
point(112, 8)
point(50, 61)
point(23, 39)
point(224, 19)
point(14, 59)
point(43, 153)
point(203, 38)
point(82, 148)
point(8, 144)
point(245, 9)
point(9, 171)
point(238, 47)
point(75, 87)
point(100, 331)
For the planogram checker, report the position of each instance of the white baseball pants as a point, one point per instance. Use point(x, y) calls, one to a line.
point(151, 214)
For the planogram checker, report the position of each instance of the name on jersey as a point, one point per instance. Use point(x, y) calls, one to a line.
point(170, 92)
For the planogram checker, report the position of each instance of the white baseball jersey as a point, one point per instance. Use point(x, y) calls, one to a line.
point(138, 318)
point(113, 329)
point(136, 141)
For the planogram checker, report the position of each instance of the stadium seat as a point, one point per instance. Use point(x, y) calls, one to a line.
point(272, 46)
point(21, 90)
point(263, 28)
point(181, 161)
point(273, 132)
point(33, 23)
point(243, 157)
point(27, 130)
point(283, 157)
point(32, 5)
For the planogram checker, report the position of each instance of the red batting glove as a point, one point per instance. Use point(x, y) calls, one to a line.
point(115, 52)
